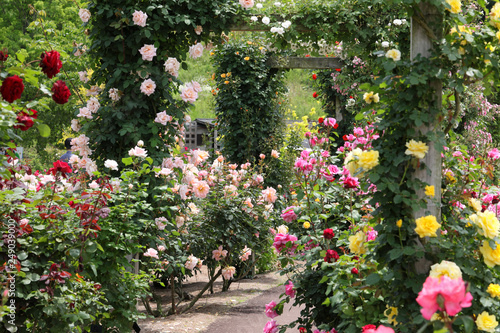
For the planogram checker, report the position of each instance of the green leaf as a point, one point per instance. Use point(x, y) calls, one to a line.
point(44, 130)
point(21, 55)
point(127, 160)
point(75, 253)
point(372, 279)
point(467, 321)
point(395, 253)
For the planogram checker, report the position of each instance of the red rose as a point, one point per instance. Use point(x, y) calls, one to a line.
point(320, 120)
point(12, 88)
point(328, 233)
point(338, 69)
point(331, 254)
point(3, 55)
point(25, 120)
point(51, 63)
point(315, 77)
point(345, 137)
point(336, 126)
point(60, 166)
point(368, 327)
point(61, 92)
point(315, 94)
point(354, 271)
point(302, 330)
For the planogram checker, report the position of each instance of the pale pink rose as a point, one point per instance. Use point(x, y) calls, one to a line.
point(183, 191)
point(165, 172)
point(247, 4)
point(191, 262)
point(93, 104)
point(228, 272)
point(248, 202)
point(84, 15)
point(219, 254)
point(262, 156)
point(138, 151)
point(139, 18)
point(114, 94)
point(83, 76)
point(91, 167)
point(75, 125)
point(271, 327)
point(94, 185)
point(93, 91)
point(85, 113)
point(269, 195)
point(196, 50)
point(163, 118)
point(159, 223)
point(74, 159)
point(189, 94)
point(201, 189)
point(111, 164)
point(198, 30)
point(151, 253)
point(148, 52)
point(148, 87)
point(245, 253)
point(196, 87)
point(275, 154)
point(172, 66)
point(179, 221)
point(161, 248)
point(270, 311)
point(199, 264)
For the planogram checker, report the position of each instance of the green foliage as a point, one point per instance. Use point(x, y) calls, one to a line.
point(248, 111)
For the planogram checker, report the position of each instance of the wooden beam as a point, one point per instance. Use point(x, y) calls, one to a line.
point(304, 63)
point(258, 26)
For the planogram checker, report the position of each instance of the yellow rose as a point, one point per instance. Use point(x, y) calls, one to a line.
point(495, 15)
point(246, 58)
point(223, 76)
point(417, 149)
point(487, 222)
point(450, 178)
point(475, 204)
point(427, 226)
point(391, 313)
point(393, 54)
point(455, 6)
point(429, 191)
point(436, 316)
point(368, 159)
point(491, 257)
point(226, 82)
point(371, 97)
point(306, 225)
point(448, 268)
point(357, 243)
point(494, 290)
point(351, 161)
point(399, 223)
point(486, 322)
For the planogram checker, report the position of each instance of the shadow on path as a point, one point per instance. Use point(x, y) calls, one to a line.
point(249, 317)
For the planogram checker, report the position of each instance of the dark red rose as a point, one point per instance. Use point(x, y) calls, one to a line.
point(60, 92)
point(328, 233)
point(320, 120)
point(495, 200)
point(12, 88)
point(351, 182)
point(368, 327)
point(315, 94)
point(331, 254)
point(51, 63)
point(354, 271)
point(336, 126)
point(3, 55)
point(25, 120)
point(302, 330)
point(355, 258)
point(60, 166)
point(315, 76)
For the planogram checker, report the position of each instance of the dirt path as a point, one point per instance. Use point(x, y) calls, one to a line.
point(241, 309)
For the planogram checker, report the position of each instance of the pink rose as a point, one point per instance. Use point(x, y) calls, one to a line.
point(189, 94)
point(270, 312)
point(246, 4)
point(288, 214)
point(148, 52)
point(148, 87)
point(151, 253)
point(139, 18)
point(196, 51)
point(289, 289)
point(271, 327)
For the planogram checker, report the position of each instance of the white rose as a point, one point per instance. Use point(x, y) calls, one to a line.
point(266, 20)
point(196, 51)
point(84, 15)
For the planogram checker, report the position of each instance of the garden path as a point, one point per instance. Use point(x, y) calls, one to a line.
point(239, 310)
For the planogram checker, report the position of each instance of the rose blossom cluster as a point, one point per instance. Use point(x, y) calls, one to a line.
point(190, 92)
point(360, 137)
point(281, 240)
point(80, 146)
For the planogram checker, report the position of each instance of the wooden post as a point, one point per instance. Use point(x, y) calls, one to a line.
point(421, 43)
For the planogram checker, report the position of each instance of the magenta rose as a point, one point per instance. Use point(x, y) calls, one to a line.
point(60, 92)
point(51, 63)
point(12, 88)
point(288, 214)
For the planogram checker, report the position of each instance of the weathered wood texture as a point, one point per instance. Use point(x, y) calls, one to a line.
point(304, 63)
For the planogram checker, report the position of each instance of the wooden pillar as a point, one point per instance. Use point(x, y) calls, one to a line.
point(421, 44)
point(422, 33)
